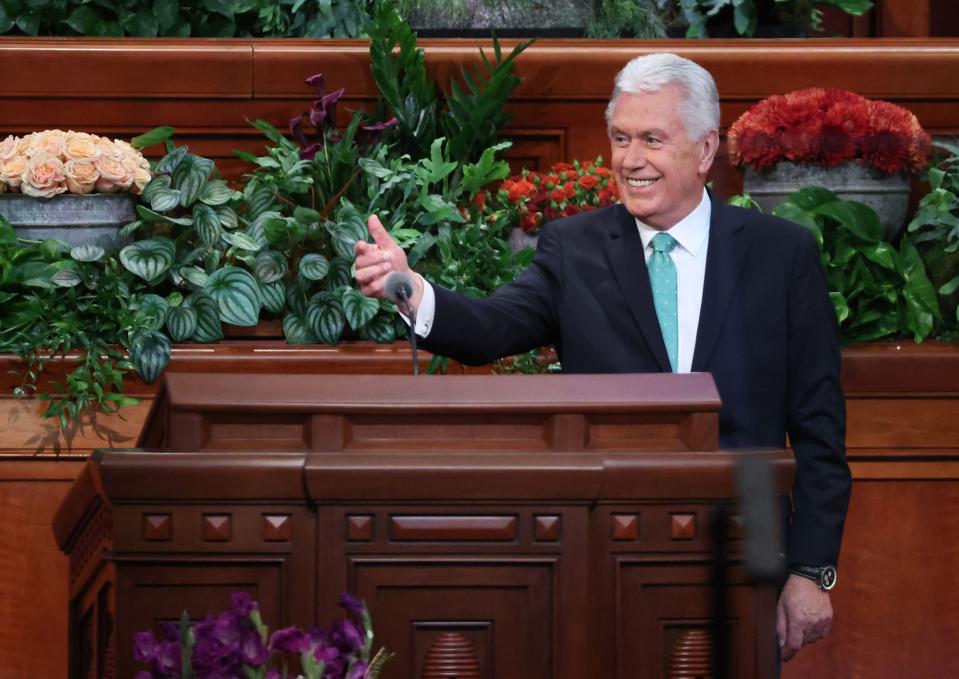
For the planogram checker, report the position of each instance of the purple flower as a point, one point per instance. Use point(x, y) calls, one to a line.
point(227, 630)
point(170, 631)
point(318, 83)
point(288, 640)
point(272, 674)
point(144, 646)
point(357, 671)
point(352, 604)
point(252, 650)
point(143, 674)
point(370, 134)
point(347, 636)
point(242, 604)
point(167, 660)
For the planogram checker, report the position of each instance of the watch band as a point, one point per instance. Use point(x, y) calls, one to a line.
point(824, 576)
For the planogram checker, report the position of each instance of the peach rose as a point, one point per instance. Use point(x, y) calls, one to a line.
point(9, 147)
point(49, 142)
point(109, 150)
point(43, 177)
point(114, 175)
point(82, 147)
point(11, 170)
point(141, 175)
point(81, 176)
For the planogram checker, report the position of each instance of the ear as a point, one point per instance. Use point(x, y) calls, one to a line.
point(710, 145)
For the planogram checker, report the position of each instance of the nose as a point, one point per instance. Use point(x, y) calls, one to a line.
point(635, 156)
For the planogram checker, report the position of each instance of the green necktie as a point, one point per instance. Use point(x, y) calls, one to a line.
point(662, 278)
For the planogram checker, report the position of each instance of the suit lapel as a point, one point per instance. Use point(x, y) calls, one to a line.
point(724, 260)
point(624, 249)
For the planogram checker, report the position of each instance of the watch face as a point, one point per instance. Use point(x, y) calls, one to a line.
point(827, 578)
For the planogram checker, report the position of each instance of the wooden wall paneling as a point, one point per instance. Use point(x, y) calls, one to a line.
point(33, 570)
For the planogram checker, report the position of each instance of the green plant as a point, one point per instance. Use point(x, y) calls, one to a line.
point(935, 231)
point(629, 19)
point(877, 291)
point(745, 14)
point(56, 302)
point(183, 18)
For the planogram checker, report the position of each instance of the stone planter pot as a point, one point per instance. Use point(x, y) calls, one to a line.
point(475, 18)
point(93, 219)
point(519, 239)
point(887, 194)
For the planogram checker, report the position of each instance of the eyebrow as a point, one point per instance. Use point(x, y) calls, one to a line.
point(654, 132)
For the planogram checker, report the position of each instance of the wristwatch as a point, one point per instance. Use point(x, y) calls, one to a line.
point(824, 576)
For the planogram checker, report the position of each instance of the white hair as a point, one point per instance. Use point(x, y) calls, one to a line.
point(650, 73)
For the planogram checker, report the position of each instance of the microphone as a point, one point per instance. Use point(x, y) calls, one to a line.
point(399, 290)
point(398, 287)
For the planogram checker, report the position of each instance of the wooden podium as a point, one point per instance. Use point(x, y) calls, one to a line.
point(558, 523)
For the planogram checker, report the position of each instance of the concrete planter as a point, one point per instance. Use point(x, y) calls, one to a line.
point(93, 219)
point(887, 194)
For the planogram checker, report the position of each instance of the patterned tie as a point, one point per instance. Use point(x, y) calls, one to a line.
point(662, 278)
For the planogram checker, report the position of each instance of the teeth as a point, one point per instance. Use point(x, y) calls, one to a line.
point(640, 182)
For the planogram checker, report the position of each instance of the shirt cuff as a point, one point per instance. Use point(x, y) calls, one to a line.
point(426, 310)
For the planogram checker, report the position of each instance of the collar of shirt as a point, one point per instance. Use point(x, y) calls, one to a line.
point(690, 232)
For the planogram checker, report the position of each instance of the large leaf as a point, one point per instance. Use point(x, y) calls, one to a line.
point(207, 224)
point(228, 218)
point(380, 328)
point(259, 199)
point(157, 135)
point(359, 308)
point(208, 326)
point(152, 312)
point(325, 317)
point(181, 322)
point(148, 259)
point(296, 331)
point(339, 274)
point(190, 177)
point(273, 296)
point(150, 352)
point(236, 294)
point(87, 253)
point(859, 218)
point(216, 192)
point(270, 266)
point(314, 267)
point(243, 241)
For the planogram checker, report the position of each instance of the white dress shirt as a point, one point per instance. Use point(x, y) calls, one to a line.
point(689, 256)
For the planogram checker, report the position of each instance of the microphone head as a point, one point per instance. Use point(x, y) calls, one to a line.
point(398, 287)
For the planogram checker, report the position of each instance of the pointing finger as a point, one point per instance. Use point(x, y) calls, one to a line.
point(379, 233)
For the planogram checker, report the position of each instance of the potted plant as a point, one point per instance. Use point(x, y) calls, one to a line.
point(760, 18)
point(861, 149)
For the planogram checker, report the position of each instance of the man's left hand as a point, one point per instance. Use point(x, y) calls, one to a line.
point(803, 616)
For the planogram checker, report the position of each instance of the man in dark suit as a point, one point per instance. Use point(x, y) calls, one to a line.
point(673, 280)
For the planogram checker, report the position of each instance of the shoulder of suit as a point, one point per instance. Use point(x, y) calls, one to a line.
point(763, 226)
point(589, 223)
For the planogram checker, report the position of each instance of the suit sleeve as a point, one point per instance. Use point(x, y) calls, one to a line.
point(816, 418)
point(517, 317)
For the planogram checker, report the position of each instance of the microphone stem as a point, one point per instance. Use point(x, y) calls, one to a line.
point(411, 312)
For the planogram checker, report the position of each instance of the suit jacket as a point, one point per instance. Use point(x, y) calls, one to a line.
point(767, 333)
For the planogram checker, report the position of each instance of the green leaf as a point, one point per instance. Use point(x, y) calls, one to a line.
point(380, 328)
point(166, 13)
point(359, 308)
point(148, 259)
point(882, 254)
point(84, 20)
point(207, 224)
point(854, 7)
point(228, 218)
point(340, 273)
point(190, 177)
point(208, 327)
point(221, 7)
point(66, 278)
point(150, 352)
point(195, 275)
point(273, 296)
point(243, 241)
point(270, 266)
point(216, 192)
point(168, 163)
point(236, 294)
point(325, 317)
point(858, 218)
point(87, 253)
point(151, 312)
point(143, 24)
point(164, 199)
point(182, 323)
point(314, 267)
point(950, 286)
point(296, 331)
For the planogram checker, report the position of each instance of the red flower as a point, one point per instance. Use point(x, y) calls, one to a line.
point(520, 189)
point(588, 181)
point(828, 127)
point(561, 167)
point(558, 195)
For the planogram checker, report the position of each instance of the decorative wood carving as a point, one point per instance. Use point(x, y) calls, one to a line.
point(451, 656)
point(548, 528)
point(359, 527)
point(691, 656)
point(453, 528)
point(277, 527)
point(625, 526)
point(682, 526)
point(217, 527)
point(157, 527)
point(95, 536)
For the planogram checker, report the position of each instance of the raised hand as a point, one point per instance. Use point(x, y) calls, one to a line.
point(375, 261)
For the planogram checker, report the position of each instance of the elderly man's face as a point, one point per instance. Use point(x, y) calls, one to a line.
point(660, 171)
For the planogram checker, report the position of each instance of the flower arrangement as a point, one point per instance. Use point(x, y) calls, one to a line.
point(45, 164)
point(563, 190)
point(829, 127)
point(236, 643)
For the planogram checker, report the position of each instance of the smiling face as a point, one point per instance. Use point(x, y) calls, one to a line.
point(659, 170)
